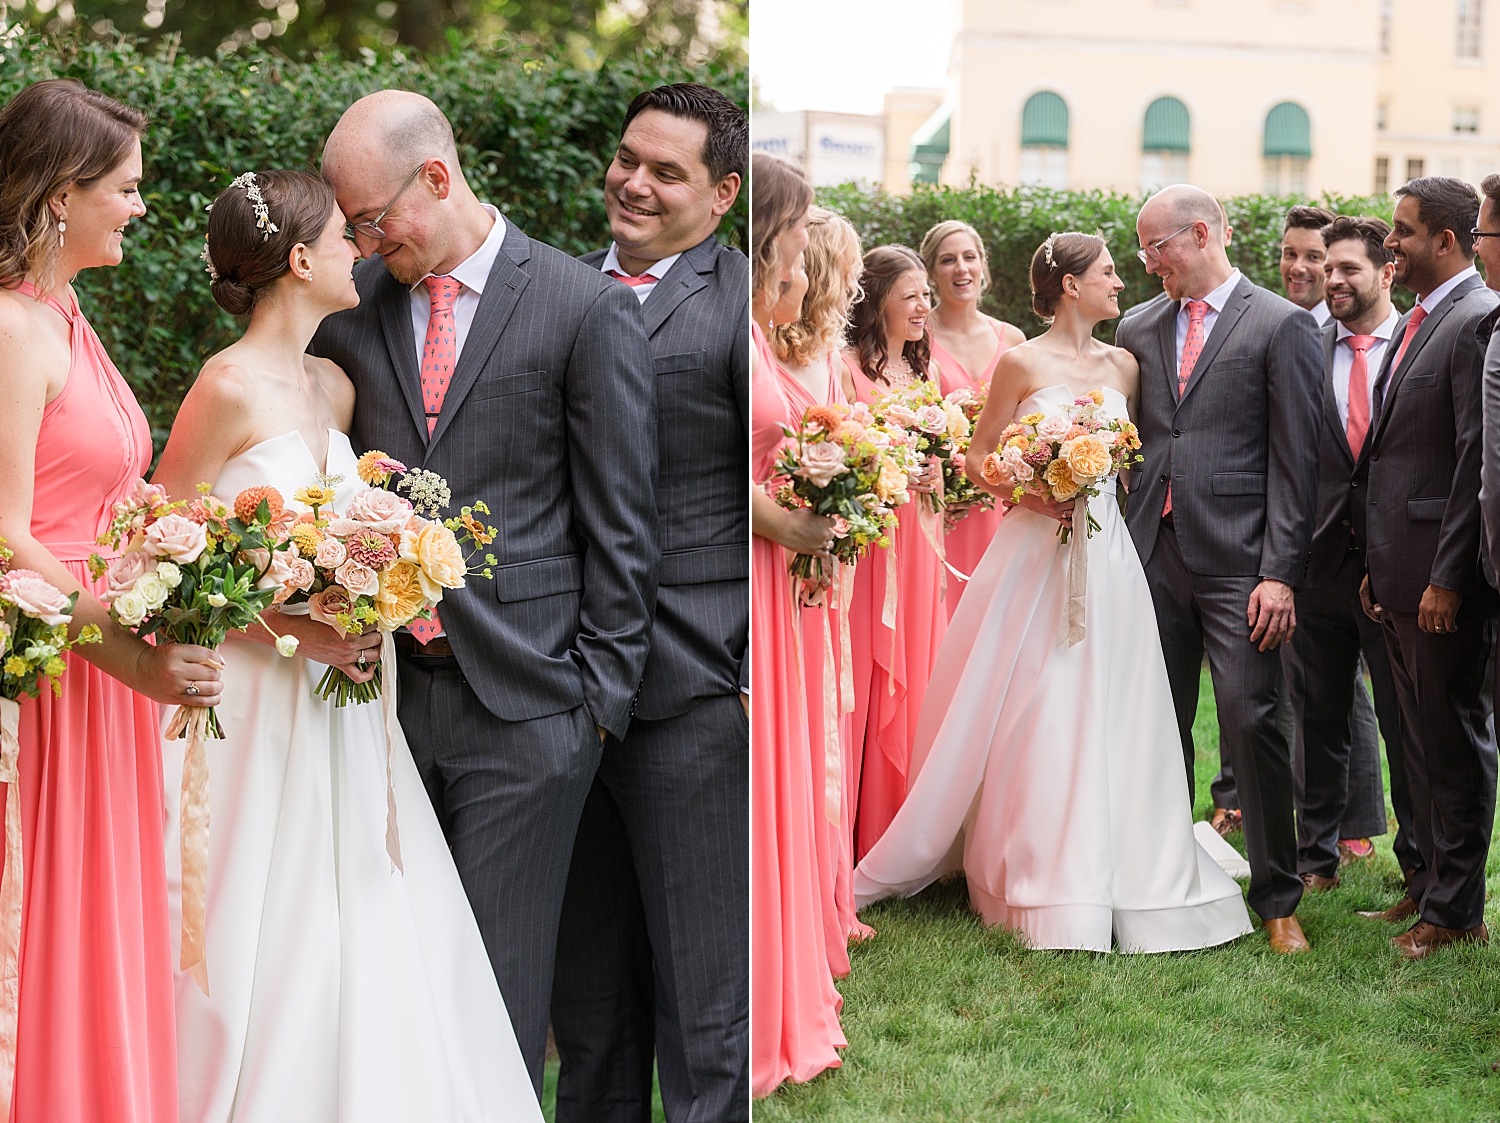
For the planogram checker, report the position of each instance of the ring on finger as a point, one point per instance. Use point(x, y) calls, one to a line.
point(191, 690)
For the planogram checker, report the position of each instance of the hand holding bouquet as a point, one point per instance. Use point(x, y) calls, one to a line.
point(960, 492)
point(1062, 456)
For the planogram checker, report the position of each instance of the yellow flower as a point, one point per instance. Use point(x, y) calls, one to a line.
point(1098, 396)
point(400, 596)
point(1032, 418)
point(314, 496)
point(15, 665)
point(1061, 481)
point(1088, 459)
point(1018, 441)
point(306, 537)
point(55, 667)
point(437, 554)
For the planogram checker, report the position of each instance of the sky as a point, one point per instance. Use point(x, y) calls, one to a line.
point(843, 55)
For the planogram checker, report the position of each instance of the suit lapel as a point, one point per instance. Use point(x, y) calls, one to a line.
point(394, 302)
point(1330, 403)
point(1234, 308)
point(686, 277)
point(502, 292)
point(1424, 333)
point(1166, 338)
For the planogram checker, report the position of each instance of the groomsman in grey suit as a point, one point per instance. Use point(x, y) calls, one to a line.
point(1421, 528)
point(1222, 509)
point(654, 937)
point(1487, 249)
point(524, 378)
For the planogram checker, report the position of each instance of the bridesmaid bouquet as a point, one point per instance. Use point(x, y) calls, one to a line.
point(380, 563)
point(1063, 455)
point(958, 489)
point(934, 426)
point(844, 462)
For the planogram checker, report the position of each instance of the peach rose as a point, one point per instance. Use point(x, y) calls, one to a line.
point(344, 528)
point(992, 471)
point(1088, 459)
point(400, 596)
point(176, 537)
point(435, 551)
point(300, 576)
point(123, 573)
point(383, 511)
point(358, 579)
point(35, 596)
point(932, 420)
point(1064, 487)
point(1053, 427)
point(821, 462)
point(330, 554)
point(277, 570)
point(326, 606)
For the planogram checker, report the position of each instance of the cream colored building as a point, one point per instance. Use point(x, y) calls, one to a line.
point(1350, 96)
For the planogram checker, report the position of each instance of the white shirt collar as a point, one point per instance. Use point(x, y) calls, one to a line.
point(474, 270)
point(1320, 313)
point(1431, 300)
point(1386, 329)
point(659, 270)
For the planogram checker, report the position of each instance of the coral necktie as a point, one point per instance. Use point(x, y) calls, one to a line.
point(643, 279)
point(1418, 314)
point(1192, 347)
point(439, 357)
point(1359, 392)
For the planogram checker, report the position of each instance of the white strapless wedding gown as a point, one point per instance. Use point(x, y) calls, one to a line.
point(1053, 775)
point(342, 990)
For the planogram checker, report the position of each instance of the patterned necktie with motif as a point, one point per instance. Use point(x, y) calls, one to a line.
point(1359, 392)
point(1192, 347)
point(439, 357)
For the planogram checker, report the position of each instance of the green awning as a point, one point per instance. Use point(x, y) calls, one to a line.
point(1288, 131)
point(1044, 121)
point(929, 145)
point(1167, 127)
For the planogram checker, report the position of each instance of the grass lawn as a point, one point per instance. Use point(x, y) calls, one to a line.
point(950, 1021)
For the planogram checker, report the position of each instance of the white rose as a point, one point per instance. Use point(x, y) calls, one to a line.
point(170, 574)
point(130, 608)
point(153, 590)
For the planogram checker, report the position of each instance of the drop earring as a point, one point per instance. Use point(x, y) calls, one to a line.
point(62, 228)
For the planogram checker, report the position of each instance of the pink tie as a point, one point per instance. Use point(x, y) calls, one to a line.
point(643, 279)
point(439, 356)
point(1192, 347)
point(1359, 392)
point(1418, 314)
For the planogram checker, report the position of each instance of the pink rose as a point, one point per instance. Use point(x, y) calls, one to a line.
point(932, 419)
point(1053, 427)
point(124, 572)
point(278, 569)
point(343, 528)
point(961, 397)
point(260, 558)
point(176, 537)
point(300, 575)
point(149, 496)
point(325, 607)
point(959, 462)
point(35, 596)
point(383, 511)
point(821, 462)
point(840, 526)
point(861, 412)
point(358, 579)
point(330, 554)
point(898, 414)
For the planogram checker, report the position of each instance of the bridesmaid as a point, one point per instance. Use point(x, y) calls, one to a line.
point(95, 1038)
point(807, 352)
point(793, 1004)
point(964, 340)
point(890, 349)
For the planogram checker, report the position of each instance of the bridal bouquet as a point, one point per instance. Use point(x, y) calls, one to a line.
point(958, 489)
point(843, 462)
point(379, 563)
point(935, 426)
point(1063, 455)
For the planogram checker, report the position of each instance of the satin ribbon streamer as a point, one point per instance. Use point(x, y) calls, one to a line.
point(1075, 596)
point(192, 722)
point(10, 897)
point(388, 702)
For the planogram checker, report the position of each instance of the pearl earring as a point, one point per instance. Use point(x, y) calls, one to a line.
point(62, 228)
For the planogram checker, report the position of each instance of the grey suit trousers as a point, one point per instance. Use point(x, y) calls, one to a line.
point(508, 795)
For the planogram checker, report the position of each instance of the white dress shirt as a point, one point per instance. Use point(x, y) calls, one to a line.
point(1216, 301)
point(472, 274)
point(1343, 362)
point(1431, 300)
point(1321, 313)
point(658, 271)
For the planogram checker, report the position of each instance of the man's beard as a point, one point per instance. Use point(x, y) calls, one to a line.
point(1360, 303)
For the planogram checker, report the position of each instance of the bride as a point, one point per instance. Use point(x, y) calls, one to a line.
point(340, 989)
point(1052, 774)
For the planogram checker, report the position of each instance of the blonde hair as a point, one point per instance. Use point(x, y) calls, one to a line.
point(831, 245)
point(935, 238)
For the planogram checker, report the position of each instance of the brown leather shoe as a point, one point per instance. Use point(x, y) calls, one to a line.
point(1404, 909)
point(1317, 883)
point(1424, 938)
point(1226, 821)
point(1286, 935)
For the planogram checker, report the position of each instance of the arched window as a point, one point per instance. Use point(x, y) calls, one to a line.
point(1166, 140)
point(1044, 140)
point(1287, 148)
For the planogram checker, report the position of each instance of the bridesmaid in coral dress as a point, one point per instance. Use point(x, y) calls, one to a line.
point(795, 1031)
point(93, 1036)
point(894, 644)
point(807, 353)
point(964, 340)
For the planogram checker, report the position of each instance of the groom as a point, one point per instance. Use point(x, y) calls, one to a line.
point(1222, 509)
point(524, 378)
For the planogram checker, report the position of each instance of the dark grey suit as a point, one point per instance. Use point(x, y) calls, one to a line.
point(665, 826)
point(550, 419)
point(1240, 449)
point(1420, 524)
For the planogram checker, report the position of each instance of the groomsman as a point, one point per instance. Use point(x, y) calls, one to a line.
point(660, 872)
point(1332, 628)
point(1302, 257)
point(1487, 247)
point(1420, 523)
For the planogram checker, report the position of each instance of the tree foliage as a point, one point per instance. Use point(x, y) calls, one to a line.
point(534, 137)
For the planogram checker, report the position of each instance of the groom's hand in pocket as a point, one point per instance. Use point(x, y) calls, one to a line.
point(1272, 614)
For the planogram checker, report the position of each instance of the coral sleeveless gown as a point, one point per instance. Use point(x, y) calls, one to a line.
point(966, 543)
point(830, 711)
point(793, 1004)
point(891, 665)
point(96, 1042)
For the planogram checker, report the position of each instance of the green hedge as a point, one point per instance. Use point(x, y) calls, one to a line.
point(1014, 221)
point(534, 137)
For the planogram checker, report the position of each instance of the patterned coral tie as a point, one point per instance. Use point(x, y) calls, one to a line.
point(1359, 392)
point(439, 357)
point(1192, 347)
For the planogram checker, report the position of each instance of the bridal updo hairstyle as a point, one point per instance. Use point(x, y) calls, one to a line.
point(1073, 253)
point(779, 195)
point(53, 134)
point(884, 266)
point(247, 262)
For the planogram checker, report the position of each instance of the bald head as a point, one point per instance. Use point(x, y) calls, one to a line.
point(1183, 203)
point(392, 131)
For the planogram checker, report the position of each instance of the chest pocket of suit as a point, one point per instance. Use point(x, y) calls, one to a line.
point(1418, 381)
point(689, 363)
point(504, 384)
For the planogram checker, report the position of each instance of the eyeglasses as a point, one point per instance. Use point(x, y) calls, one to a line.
point(1154, 249)
point(1484, 233)
point(371, 229)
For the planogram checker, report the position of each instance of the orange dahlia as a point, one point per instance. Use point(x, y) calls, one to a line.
point(246, 502)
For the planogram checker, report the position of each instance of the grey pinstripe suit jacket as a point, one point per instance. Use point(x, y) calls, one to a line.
point(550, 418)
point(698, 319)
point(1241, 447)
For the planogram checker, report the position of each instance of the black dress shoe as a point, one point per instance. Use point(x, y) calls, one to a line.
point(1404, 909)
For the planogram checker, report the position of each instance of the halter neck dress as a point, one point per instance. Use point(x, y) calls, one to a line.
point(95, 1036)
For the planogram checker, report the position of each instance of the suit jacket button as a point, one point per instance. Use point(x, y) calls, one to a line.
point(1345, 522)
point(1164, 479)
point(1375, 457)
point(1176, 432)
point(1353, 483)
